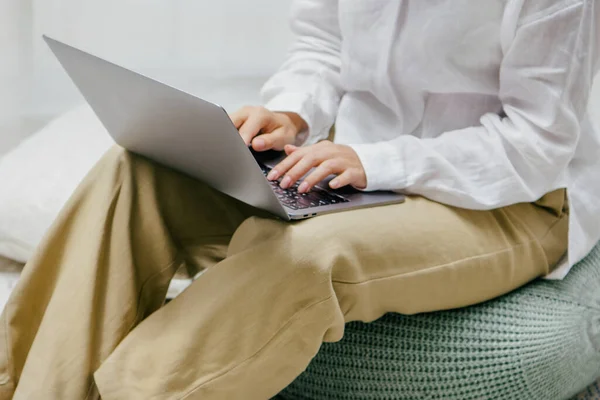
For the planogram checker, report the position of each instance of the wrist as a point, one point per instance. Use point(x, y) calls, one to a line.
point(383, 166)
point(298, 122)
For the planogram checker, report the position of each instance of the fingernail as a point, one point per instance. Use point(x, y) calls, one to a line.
point(285, 183)
point(258, 144)
point(303, 188)
point(273, 175)
point(334, 184)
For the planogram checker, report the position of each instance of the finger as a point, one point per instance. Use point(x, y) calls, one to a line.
point(287, 163)
point(325, 169)
point(289, 149)
point(301, 168)
point(275, 140)
point(239, 117)
point(344, 179)
point(252, 127)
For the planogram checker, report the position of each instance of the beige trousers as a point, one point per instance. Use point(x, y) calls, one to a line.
point(87, 316)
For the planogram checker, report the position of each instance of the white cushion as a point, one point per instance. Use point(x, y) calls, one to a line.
point(38, 177)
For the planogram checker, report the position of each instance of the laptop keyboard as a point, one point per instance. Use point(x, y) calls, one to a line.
point(317, 197)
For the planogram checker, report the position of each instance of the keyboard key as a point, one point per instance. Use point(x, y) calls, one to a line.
point(301, 201)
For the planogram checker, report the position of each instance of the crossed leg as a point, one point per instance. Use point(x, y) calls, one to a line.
point(89, 303)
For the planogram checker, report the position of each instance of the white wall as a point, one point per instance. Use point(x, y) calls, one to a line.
point(187, 42)
point(221, 49)
point(595, 103)
point(15, 64)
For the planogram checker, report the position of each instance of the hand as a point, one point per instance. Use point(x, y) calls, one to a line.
point(267, 130)
point(328, 158)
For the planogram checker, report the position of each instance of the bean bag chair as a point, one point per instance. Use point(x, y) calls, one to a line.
point(539, 342)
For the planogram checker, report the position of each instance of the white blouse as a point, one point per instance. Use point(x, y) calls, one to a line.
point(475, 104)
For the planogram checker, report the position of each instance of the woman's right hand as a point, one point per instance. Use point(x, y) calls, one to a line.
point(267, 130)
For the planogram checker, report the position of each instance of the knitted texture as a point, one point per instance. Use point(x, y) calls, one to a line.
point(539, 342)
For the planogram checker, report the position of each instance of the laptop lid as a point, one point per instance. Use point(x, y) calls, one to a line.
point(169, 126)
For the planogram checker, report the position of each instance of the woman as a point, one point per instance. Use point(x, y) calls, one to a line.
point(475, 109)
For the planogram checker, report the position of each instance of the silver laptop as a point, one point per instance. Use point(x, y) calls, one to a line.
point(195, 137)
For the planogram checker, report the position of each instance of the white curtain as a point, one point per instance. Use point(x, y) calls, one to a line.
point(222, 50)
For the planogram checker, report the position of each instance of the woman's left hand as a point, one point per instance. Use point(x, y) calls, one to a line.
point(327, 158)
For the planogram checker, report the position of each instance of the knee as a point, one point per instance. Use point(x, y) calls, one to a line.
point(118, 158)
point(116, 168)
point(114, 155)
point(122, 165)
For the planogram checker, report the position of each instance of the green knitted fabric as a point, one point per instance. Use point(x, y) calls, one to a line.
point(540, 342)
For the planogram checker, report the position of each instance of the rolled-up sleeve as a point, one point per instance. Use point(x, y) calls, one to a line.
point(308, 83)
